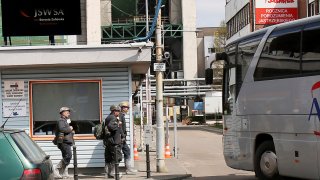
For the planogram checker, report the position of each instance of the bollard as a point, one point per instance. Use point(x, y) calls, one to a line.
point(75, 163)
point(148, 161)
point(116, 163)
point(75, 160)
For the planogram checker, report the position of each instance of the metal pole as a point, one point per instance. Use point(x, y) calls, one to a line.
point(147, 17)
point(147, 96)
point(75, 160)
point(148, 161)
point(149, 110)
point(175, 133)
point(141, 119)
point(116, 163)
point(161, 167)
point(167, 124)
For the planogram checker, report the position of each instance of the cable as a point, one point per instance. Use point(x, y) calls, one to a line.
point(121, 10)
point(153, 24)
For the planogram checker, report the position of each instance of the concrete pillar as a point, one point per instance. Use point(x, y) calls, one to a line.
point(93, 22)
point(189, 39)
point(105, 12)
point(82, 39)
point(175, 12)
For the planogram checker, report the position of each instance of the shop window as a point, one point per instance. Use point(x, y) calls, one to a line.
point(46, 98)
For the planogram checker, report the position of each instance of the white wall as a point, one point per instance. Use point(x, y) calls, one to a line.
point(105, 12)
point(93, 22)
point(189, 39)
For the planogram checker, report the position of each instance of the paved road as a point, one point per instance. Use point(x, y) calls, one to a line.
point(202, 156)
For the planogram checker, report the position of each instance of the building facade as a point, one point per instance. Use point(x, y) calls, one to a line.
point(78, 71)
point(243, 17)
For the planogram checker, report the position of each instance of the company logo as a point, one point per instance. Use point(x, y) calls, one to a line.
point(315, 108)
point(44, 15)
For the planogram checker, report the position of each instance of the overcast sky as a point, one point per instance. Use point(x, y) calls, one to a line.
point(210, 12)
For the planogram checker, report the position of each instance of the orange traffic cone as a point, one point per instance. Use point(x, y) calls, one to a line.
point(167, 152)
point(135, 152)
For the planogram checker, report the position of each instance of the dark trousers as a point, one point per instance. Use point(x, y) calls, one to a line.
point(110, 154)
point(66, 152)
point(126, 150)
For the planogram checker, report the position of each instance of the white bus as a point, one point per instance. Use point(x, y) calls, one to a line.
point(271, 101)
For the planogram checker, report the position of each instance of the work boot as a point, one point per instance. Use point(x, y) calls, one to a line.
point(106, 170)
point(65, 173)
point(129, 169)
point(56, 170)
point(112, 171)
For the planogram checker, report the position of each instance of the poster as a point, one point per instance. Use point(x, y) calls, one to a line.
point(14, 89)
point(276, 11)
point(14, 108)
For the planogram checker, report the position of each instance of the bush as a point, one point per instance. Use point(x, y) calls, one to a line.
point(137, 121)
point(199, 119)
point(213, 116)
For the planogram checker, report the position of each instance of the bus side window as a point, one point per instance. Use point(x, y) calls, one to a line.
point(311, 50)
point(280, 57)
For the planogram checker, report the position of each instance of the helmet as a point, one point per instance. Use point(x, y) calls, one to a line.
point(62, 109)
point(124, 104)
point(115, 108)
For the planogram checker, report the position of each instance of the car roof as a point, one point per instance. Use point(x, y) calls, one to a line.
point(10, 130)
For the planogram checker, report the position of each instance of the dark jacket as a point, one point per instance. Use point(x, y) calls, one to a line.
point(64, 127)
point(115, 132)
point(122, 118)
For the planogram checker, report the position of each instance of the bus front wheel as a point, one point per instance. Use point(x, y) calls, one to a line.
point(265, 162)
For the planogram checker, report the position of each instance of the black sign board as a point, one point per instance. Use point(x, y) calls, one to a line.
point(40, 17)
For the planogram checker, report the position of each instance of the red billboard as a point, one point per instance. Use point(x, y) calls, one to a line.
point(276, 11)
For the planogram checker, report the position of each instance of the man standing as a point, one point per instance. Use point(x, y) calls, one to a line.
point(125, 148)
point(112, 141)
point(64, 134)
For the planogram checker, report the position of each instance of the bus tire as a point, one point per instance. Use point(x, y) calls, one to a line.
point(265, 161)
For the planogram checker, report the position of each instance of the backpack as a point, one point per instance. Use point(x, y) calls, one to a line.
point(100, 131)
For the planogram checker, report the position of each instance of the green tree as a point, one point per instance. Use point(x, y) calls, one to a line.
point(220, 37)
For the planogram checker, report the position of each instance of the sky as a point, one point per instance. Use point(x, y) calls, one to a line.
point(210, 12)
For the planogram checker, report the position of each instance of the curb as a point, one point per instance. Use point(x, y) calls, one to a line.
point(176, 177)
point(211, 129)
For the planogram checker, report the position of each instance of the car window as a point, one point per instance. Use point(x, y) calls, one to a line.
point(28, 147)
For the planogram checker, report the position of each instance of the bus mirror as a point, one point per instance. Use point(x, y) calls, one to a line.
point(221, 56)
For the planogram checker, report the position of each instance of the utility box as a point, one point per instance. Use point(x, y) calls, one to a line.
point(213, 102)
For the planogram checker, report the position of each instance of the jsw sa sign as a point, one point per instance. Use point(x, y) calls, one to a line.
point(276, 11)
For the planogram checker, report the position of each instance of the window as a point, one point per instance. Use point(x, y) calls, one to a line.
point(28, 147)
point(229, 80)
point(280, 57)
point(311, 50)
point(238, 21)
point(83, 97)
point(246, 51)
point(311, 9)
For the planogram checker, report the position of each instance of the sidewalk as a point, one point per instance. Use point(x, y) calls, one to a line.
point(175, 170)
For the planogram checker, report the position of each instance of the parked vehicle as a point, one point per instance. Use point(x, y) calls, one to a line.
point(22, 158)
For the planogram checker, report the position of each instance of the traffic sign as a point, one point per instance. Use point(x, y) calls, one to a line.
point(159, 66)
